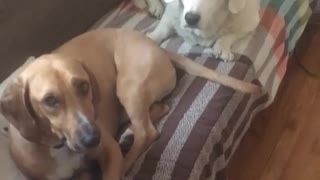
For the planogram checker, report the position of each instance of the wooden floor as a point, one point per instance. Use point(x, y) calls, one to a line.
point(284, 140)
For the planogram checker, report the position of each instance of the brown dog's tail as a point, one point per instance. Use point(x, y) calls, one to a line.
point(196, 69)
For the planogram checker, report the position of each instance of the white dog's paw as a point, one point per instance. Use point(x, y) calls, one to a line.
point(156, 8)
point(126, 141)
point(154, 36)
point(124, 137)
point(222, 52)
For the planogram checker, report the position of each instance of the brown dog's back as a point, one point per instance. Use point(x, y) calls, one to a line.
point(152, 53)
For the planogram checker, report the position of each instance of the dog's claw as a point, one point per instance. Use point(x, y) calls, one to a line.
point(221, 52)
point(150, 35)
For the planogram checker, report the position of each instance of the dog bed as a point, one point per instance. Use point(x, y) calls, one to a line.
point(207, 121)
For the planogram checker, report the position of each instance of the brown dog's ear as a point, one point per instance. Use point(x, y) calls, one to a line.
point(16, 107)
point(235, 6)
point(94, 86)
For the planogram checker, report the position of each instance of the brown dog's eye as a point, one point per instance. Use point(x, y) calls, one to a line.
point(51, 101)
point(83, 88)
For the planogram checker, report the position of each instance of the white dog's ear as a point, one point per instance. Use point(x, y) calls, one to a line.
point(168, 1)
point(235, 6)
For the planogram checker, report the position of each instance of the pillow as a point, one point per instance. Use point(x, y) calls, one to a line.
point(8, 169)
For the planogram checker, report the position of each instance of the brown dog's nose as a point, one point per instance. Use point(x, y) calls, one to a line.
point(88, 134)
point(90, 139)
point(192, 18)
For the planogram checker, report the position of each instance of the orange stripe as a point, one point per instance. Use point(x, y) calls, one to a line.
point(282, 68)
point(274, 25)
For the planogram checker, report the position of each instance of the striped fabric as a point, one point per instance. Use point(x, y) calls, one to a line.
point(207, 121)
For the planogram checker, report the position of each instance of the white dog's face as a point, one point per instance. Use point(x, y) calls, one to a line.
point(198, 14)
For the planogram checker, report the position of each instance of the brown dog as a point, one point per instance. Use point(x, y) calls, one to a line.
point(72, 94)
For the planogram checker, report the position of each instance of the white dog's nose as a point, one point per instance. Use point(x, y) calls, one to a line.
point(192, 18)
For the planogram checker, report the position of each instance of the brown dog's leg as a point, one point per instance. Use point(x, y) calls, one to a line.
point(144, 134)
point(144, 131)
point(137, 105)
point(110, 159)
point(158, 111)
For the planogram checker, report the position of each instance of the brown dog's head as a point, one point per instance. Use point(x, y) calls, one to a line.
point(53, 101)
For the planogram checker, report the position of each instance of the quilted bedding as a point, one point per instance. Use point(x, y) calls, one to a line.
point(208, 121)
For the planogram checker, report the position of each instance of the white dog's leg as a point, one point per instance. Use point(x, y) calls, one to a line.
point(163, 30)
point(161, 33)
point(155, 7)
point(222, 47)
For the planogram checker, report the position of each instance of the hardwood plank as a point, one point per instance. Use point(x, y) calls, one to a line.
point(267, 149)
point(304, 103)
point(304, 162)
point(300, 102)
point(297, 112)
point(258, 144)
point(312, 62)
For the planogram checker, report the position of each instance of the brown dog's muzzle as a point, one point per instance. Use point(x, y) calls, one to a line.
point(87, 135)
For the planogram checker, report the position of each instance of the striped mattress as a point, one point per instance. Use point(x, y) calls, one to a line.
point(208, 121)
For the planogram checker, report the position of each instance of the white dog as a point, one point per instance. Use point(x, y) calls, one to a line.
point(216, 24)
